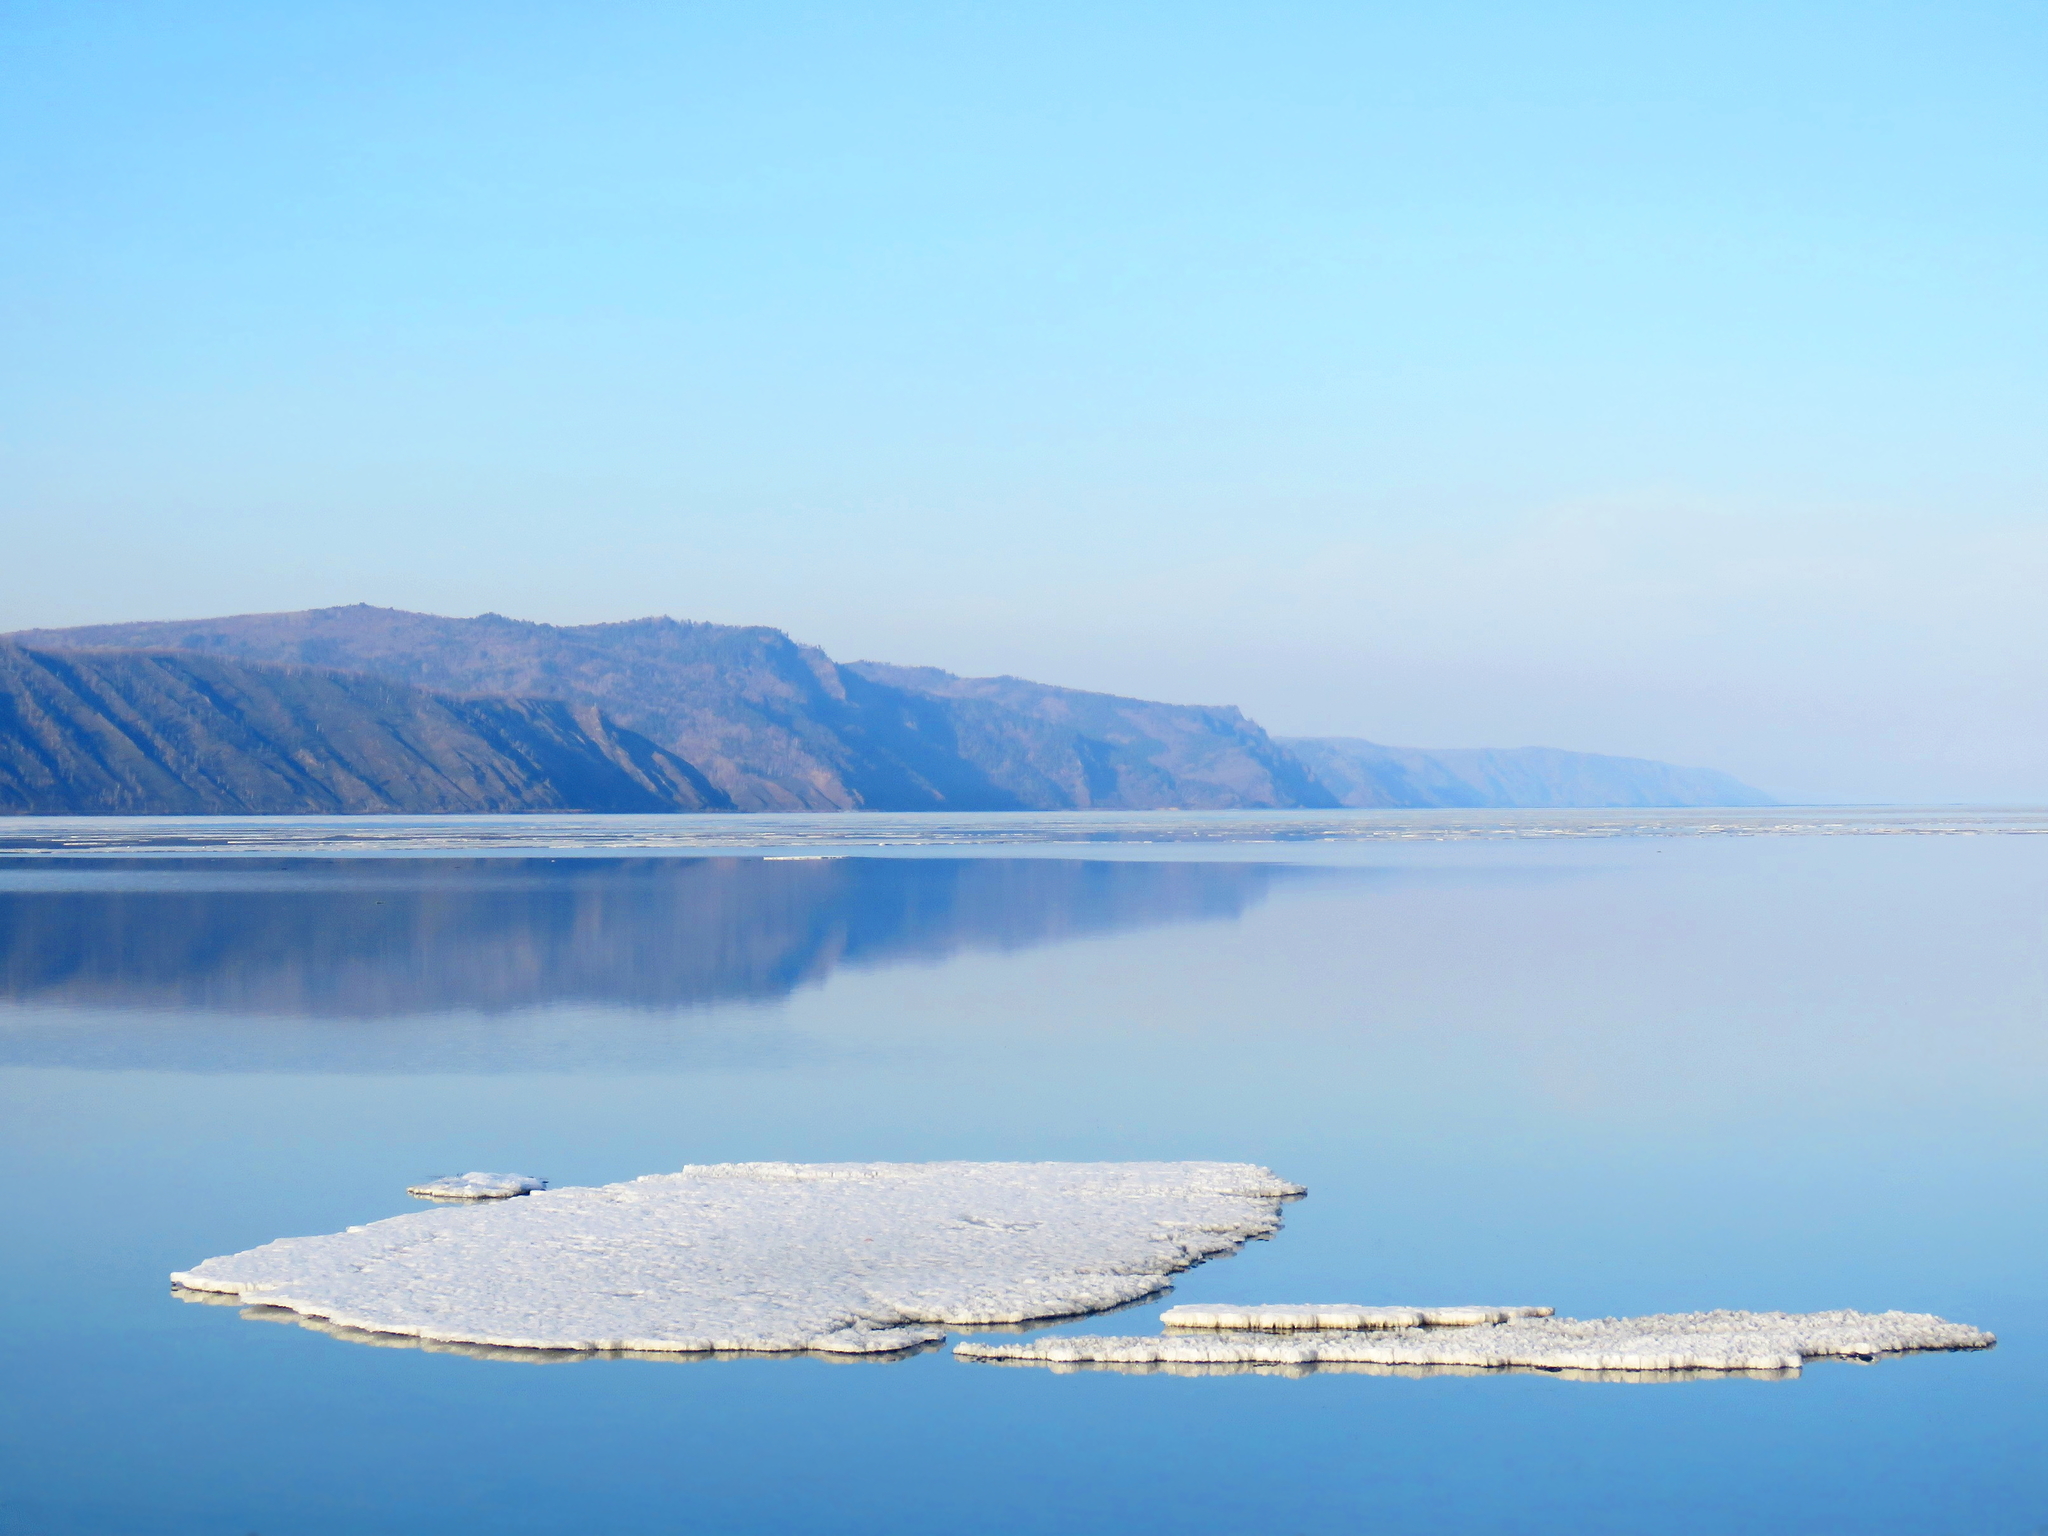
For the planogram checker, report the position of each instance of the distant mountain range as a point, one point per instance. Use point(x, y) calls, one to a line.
point(1366, 773)
point(361, 709)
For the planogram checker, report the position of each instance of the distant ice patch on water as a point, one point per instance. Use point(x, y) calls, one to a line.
point(1777, 1342)
point(787, 835)
point(1289, 1319)
point(477, 1186)
point(846, 1258)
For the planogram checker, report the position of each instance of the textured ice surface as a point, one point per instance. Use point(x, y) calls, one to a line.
point(1680, 1341)
point(478, 1186)
point(1277, 1319)
point(849, 1258)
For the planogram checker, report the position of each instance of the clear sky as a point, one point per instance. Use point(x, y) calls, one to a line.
point(1663, 379)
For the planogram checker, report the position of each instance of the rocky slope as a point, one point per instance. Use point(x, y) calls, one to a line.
point(110, 732)
point(751, 720)
point(1059, 747)
point(779, 726)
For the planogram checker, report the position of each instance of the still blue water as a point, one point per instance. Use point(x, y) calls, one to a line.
point(1619, 1076)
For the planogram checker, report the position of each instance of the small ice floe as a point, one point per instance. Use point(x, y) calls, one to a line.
point(844, 1258)
point(477, 1186)
point(1338, 1315)
point(1683, 1341)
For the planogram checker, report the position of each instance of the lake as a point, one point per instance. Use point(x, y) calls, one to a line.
point(1613, 1063)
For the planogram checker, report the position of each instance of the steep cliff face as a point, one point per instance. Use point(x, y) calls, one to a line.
point(1364, 773)
point(773, 725)
point(777, 726)
point(742, 717)
point(1054, 747)
point(108, 732)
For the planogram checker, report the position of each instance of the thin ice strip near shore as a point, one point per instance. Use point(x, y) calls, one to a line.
point(849, 1258)
point(1335, 1315)
point(1683, 1341)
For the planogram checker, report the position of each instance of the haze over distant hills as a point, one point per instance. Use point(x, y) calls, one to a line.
point(1365, 773)
point(376, 709)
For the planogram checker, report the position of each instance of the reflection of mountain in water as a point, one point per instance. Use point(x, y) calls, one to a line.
point(382, 938)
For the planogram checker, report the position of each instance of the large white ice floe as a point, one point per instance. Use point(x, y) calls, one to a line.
point(1680, 1341)
point(478, 1186)
point(847, 1258)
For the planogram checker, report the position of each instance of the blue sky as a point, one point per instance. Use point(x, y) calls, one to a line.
point(1658, 379)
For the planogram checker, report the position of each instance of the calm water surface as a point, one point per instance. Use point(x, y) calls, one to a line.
point(1613, 1074)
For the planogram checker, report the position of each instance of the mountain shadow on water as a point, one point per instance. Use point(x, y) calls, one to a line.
point(182, 945)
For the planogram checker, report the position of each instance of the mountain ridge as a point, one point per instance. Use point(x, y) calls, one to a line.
point(1105, 750)
point(773, 724)
point(756, 721)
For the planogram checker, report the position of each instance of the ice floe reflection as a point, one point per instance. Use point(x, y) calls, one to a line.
point(574, 1356)
point(504, 1356)
point(1055, 1367)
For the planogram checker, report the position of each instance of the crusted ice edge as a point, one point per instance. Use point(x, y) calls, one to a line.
point(1338, 1315)
point(843, 1258)
point(478, 1186)
point(1678, 1341)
